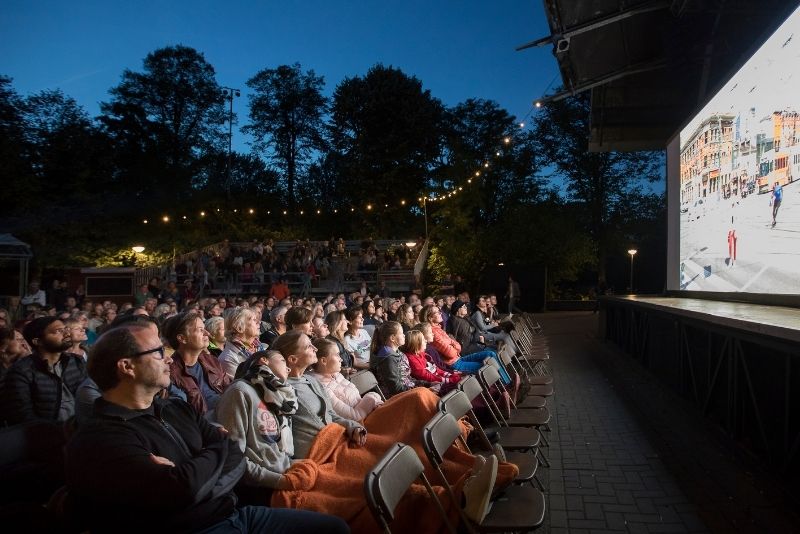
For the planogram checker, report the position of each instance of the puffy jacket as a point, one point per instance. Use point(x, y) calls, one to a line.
point(215, 376)
point(448, 348)
point(32, 392)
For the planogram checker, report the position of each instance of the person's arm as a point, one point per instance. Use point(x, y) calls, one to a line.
point(17, 401)
point(478, 320)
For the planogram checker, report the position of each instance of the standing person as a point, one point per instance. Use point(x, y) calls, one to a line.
point(777, 198)
point(160, 455)
point(34, 295)
point(732, 239)
point(513, 294)
point(43, 385)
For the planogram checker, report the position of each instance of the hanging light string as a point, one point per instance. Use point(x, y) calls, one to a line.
point(432, 196)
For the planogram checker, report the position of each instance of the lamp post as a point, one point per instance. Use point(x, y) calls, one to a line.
point(228, 94)
point(137, 249)
point(632, 252)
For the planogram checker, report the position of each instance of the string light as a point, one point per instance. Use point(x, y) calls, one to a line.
point(252, 211)
point(145, 221)
point(184, 217)
point(202, 214)
point(165, 219)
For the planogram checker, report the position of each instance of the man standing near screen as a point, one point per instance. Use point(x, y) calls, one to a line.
point(777, 197)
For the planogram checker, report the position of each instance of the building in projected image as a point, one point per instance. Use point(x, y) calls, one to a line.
point(736, 155)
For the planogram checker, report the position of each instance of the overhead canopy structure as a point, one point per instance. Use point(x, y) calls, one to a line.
point(12, 249)
point(650, 63)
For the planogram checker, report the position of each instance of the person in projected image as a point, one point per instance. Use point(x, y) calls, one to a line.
point(732, 238)
point(777, 198)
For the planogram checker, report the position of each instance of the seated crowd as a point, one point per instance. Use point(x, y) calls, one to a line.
point(216, 414)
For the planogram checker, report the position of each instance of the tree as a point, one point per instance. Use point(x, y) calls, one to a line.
point(602, 182)
point(286, 119)
point(15, 171)
point(386, 136)
point(163, 121)
point(481, 136)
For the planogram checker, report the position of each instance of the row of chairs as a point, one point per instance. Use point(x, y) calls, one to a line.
point(520, 433)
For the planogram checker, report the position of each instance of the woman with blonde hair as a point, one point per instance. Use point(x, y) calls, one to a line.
point(242, 326)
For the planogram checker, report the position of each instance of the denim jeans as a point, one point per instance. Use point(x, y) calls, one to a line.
point(256, 519)
point(470, 363)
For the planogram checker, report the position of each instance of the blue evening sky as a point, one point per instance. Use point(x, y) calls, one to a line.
point(458, 49)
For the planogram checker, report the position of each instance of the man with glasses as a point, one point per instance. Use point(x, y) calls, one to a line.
point(43, 386)
point(142, 463)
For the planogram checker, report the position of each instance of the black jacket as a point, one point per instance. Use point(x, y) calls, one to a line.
point(32, 392)
point(114, 485)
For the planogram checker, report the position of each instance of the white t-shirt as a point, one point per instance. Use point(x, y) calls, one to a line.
point(359, 346)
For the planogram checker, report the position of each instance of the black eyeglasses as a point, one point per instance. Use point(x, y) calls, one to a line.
point(159, 350)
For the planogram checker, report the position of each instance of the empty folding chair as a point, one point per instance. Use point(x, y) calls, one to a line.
point(511, 438)
point(365, 381)
point(458, 405)
point(519, 509)
point(508, 358)
point(387, 482)
point(529, 401)
point(535, 417)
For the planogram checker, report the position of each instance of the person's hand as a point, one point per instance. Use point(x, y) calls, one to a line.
point(359, 436)
point(223, 430)
point(482, 340)
point(160, 460)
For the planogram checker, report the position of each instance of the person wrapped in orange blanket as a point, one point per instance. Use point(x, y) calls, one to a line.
point(330, 478)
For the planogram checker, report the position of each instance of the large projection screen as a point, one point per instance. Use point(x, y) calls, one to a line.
point(733, 169)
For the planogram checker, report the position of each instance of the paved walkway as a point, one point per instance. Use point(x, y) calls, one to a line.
point(626, 458)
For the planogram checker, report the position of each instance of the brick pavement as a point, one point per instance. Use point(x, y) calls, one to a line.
point(606, 476)
point(628, 455)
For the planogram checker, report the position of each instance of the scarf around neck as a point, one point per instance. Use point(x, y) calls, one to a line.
point(279, 397)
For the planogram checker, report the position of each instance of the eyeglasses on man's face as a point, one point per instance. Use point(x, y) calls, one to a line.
point(157, 350)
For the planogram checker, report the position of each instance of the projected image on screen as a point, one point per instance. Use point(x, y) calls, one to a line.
point(739, 168)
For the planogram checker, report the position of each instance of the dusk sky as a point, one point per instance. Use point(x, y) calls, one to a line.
point(458, 49)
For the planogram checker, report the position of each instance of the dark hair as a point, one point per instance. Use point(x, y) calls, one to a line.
point(35, 329)
point(177, 325)
point(6, 334)
point(352, 312)
point(298, 315)
point(382, 334)
point(110, 348)
point(129, 319)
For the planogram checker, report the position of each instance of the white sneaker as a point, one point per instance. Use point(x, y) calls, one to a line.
point(478, 488)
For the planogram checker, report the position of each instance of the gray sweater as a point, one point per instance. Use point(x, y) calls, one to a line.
point(314, 412)
point(241, 411)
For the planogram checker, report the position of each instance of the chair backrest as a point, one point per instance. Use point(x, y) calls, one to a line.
point(365, 381)
point(387, 482)
point(505, 354)
point(456, 403)
point(438, 435)
point(489, 375)
point(471, 387)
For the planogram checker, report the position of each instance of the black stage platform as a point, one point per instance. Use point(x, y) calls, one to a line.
point(737, 363)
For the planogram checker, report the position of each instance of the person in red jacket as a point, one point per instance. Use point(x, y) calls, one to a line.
point(421, 367)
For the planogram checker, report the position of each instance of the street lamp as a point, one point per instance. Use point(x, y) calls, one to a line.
point(138, 249)
point(632, 252)
point(228, 93)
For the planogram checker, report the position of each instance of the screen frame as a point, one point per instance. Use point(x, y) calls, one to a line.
point(673, 195)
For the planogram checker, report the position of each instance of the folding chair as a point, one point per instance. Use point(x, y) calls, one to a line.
point(458, 405)
point(535, 417)
point(529, 355)
point(515, 439)
point(530, 401)
point(387, 482)
point(519, 509)
point(510, 361)
point(365, 381)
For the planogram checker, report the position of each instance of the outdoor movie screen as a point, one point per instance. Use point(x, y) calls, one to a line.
point(739, 168)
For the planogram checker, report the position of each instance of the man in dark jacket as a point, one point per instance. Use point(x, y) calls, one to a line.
point(43, 385)
point(142, 464)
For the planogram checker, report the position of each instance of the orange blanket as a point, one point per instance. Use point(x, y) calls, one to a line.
point(331, 480)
